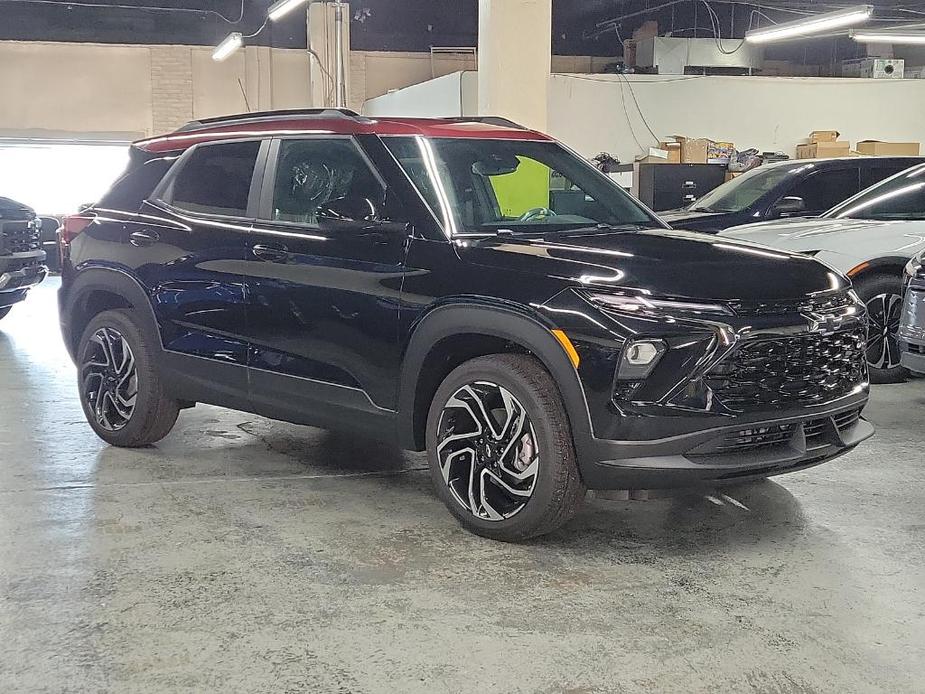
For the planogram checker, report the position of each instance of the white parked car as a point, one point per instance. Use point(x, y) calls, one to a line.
point(869, 237)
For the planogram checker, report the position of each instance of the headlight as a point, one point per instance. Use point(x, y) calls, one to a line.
point(914, 266)
point(655, 308)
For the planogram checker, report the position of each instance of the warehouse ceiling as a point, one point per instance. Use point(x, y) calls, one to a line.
point(581, 27)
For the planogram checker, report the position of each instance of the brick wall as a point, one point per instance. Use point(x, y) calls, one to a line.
point(171, 87)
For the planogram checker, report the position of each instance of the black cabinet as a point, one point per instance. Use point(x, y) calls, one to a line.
point(669, 186)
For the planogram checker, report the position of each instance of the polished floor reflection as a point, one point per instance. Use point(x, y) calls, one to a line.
point(243, 555)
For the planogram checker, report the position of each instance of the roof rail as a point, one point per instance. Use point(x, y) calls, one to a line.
point(260, 116)
point(489, 120)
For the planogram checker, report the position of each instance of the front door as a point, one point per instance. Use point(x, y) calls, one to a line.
point(323, 279)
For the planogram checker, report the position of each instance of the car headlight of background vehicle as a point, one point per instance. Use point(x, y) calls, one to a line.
point(915, 265)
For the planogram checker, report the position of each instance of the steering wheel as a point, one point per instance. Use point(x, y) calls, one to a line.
point(536, 213)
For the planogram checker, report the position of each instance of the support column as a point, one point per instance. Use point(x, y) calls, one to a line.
point(515, 51)
point(322, 39)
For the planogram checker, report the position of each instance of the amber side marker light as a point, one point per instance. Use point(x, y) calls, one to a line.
point(857, 269)
point(568, 347)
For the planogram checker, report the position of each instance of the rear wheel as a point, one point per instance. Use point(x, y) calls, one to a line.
point(120, 389)
point(4, 311)
point(500, 448)
point(882, 294)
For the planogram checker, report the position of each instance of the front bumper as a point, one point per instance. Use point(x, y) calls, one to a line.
point(18, 272)
point(751, 447)
point(912, 328)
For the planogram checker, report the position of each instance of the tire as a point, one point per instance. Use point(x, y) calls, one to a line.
point(522, 399)
point(882, 294)
point(5, 311)
point(151, 414)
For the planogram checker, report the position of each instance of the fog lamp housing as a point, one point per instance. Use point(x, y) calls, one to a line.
point(639, 358)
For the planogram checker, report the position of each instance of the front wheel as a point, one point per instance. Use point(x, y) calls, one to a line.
point(120, 387)
point(500, 448)
point(882, 294)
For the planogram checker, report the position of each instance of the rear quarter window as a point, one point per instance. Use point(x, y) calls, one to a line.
point(136, 185)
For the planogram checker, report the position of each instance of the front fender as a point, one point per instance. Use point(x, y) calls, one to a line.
point(514, 323)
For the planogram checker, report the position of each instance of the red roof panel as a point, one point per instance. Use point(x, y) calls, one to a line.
point(427, 127)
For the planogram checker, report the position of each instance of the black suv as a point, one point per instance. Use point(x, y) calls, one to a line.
point(471, 288)
point(801, 188)
point(21, 255)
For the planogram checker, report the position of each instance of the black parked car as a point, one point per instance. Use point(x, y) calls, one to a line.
point(912, 323)
point(21, 254)
point(469, 288)
point(799, 188)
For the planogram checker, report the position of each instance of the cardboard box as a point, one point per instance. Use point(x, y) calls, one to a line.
point(817, 136)
point(673, 149)
point(702, 150)
point(654, 156)
point(877, 148)
point(720, 152)
point(824, 150)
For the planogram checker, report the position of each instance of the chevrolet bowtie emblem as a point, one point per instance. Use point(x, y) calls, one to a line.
point(824, 323)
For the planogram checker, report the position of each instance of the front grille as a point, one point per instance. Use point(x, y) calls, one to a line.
point(19, 237)
point(817, 430)
point(758, 437)
point(819, 433)
point(788, 371)
point(824, 303)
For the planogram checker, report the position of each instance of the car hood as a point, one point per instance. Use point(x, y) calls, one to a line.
point(14, 210)
point(815, 234)
point(683, 214)
point(666, 263)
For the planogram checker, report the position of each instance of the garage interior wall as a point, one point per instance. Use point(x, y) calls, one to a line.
point(123, 92)
point(599, 113)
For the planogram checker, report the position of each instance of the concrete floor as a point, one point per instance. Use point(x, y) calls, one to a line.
point(242, 555)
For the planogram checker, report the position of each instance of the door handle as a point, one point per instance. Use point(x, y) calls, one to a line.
point(272, 253)
point(141, 239)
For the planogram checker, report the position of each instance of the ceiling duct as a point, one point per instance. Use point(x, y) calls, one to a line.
point(680, 56)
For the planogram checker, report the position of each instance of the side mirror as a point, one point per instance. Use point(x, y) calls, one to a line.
point(351, 208)
point(789, 205)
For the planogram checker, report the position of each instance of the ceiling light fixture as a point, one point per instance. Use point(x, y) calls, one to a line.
point(811, 25)
point(914, 34)
point(281, 8)
point(229, 45)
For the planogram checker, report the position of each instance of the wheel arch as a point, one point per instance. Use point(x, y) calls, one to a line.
point(98, 289)
point(451, 334)
point(877, 266)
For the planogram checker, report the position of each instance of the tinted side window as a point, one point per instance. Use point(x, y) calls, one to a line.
point(136, 185)
point(825, 189)
point(312, 175)
point(216, 179)
point(875, 174)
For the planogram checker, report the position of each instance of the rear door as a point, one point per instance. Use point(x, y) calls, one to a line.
point(190, 242)
point(324, 268)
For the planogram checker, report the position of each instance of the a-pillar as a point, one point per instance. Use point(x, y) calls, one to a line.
point(515, 52)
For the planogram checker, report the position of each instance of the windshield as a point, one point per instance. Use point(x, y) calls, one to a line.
point(900, 197)
point(488, 185)
point(743, 191)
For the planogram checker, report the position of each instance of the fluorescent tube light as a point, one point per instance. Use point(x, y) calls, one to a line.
point(811, 25)
point(905, 35)
point(280, 8)
point(229, 45)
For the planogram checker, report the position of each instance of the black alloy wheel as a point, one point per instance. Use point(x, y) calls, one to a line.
point(109, 379)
